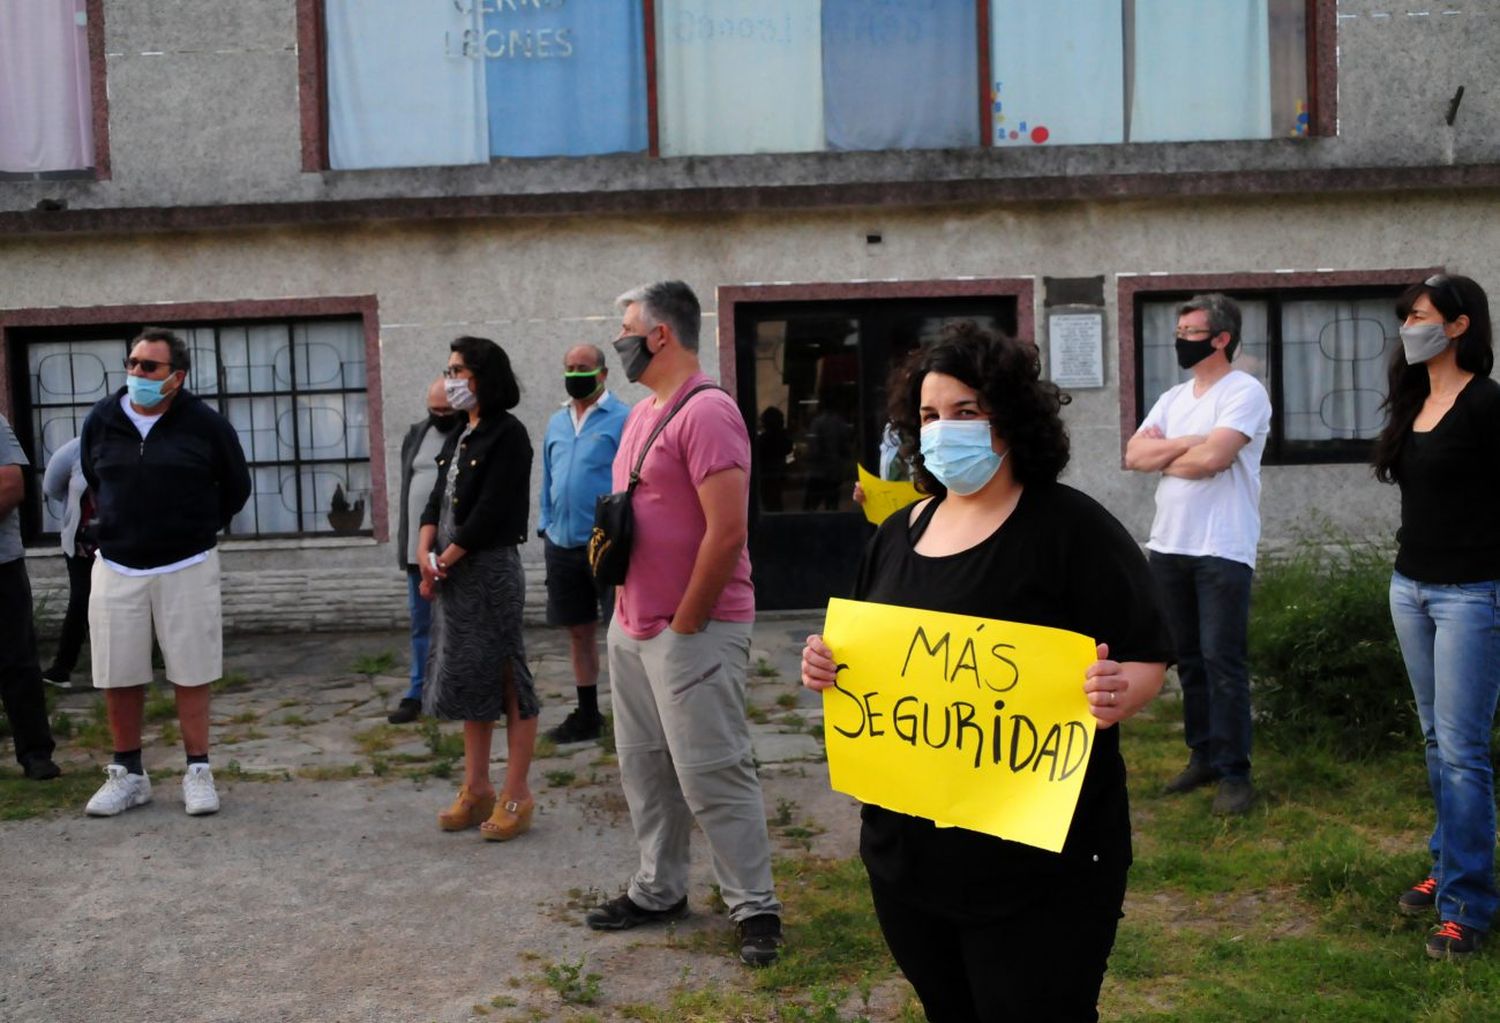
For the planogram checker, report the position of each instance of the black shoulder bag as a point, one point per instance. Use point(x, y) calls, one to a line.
point(614, 522)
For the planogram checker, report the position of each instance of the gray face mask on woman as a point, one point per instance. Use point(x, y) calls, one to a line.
point(1423, 341)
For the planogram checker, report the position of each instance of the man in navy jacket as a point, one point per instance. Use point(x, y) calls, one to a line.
point(167, 472)
point(577, 453)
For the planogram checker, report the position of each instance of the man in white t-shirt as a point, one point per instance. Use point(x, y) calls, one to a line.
point(1205, 437)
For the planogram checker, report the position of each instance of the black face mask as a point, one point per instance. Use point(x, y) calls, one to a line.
point(582, 385)
point(634, 355)
point(1190, 353)
point(443, 422)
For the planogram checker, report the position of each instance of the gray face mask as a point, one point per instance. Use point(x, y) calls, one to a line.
point(1423, 341)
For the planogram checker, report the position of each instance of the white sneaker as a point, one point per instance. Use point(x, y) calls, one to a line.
point(198, 794)
point(120, 792)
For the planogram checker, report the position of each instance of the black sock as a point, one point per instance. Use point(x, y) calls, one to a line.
point(588, 701)
point(197, 758)
point(130, 759)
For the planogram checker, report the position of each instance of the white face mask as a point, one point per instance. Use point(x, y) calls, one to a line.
point(1423, 341)
point(461, 396)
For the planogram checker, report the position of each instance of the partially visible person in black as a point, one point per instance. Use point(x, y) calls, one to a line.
point(987, 929)
point(1441, 445)
point(64, 483)
point(772, 446)
point(471, 571)
point(20, 674)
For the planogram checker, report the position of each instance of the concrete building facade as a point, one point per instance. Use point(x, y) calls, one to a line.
point(211, 202)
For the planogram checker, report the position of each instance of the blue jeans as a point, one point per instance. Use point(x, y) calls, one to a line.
point(1450, 641)
point(421, 625)
point(1207, 601)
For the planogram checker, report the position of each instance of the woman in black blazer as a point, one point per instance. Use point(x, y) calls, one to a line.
point(471, 570)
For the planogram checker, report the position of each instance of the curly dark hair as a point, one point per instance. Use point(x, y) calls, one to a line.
point(1407, 386)
point(1023, 408)
point(495, 382)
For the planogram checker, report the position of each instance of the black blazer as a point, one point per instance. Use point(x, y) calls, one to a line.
point(493, 494)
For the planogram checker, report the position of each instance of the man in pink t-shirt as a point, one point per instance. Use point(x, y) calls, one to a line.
point(679, 645)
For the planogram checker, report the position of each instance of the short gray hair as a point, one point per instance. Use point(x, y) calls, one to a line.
point(1223, 317)
point(669, 302)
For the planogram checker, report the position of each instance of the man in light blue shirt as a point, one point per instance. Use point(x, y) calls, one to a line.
point(577, 454)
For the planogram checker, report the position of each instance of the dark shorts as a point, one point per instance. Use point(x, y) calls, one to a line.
point(572, 596)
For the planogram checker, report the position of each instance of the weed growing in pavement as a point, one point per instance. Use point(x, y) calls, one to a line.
point(229, 682)
point(288, 702)
point(558, 779)
point(380, 767)
point(756, 713)
point(786, 701)
point(377, 739)
point(169, 735)
point(245, 717)
point(784, 810)
point(572, 985)
point(295, 721)
point(447, 746)
point(793, 722)
point(765, 669)
point(544, 747)
point(607, 735)
point(62, 725)
point(160, 704)
point(441, 769)
point(331, 772)
point(375, 664)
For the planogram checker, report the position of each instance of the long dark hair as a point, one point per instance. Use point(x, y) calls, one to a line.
point(494, 381)
point(1023, 408)
point(1407, 386)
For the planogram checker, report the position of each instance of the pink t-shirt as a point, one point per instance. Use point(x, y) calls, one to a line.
point(706, 437)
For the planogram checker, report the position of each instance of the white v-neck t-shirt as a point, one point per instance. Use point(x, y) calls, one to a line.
point(1218, 516)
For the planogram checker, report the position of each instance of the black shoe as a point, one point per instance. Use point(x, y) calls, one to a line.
point(41, 769)
point(1420, 899)
point(578, 727)
point(1195, 775)
point(60, 679)
point(1453, 940)
point(621, 914)
point(1234, 798)
point(405, 713)
point(760, 938)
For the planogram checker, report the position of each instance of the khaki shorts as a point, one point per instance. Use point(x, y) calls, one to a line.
point(182, 609)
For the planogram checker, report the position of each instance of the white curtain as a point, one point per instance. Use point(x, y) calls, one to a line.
point(1057, 71)
point(46, 112)
point(1334, 356)
point(1201, 70)
point(405, 84)
point(739, 76)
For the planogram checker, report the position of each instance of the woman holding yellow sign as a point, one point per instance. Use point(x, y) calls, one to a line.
point(986, 928)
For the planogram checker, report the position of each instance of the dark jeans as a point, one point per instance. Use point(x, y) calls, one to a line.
point(1208, 608)
point(75, 627)
point(20, 674)
point(1008, 969)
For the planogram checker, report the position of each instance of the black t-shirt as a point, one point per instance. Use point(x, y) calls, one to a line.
point(1059, 560)
point(1450, 488)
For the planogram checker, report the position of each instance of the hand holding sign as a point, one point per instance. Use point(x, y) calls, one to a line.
point(966, 721)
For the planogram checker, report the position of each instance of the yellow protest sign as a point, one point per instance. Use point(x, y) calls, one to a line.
point(966, 721)
point(883, 497)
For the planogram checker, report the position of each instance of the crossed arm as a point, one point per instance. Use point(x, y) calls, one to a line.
point(1191, 456)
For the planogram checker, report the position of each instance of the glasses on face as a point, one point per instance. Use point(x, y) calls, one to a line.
point(1444, 283)
point(146, 365)
point(452, 372)
point(1194, 333)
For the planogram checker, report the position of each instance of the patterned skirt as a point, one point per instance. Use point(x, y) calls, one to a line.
point(477, 646)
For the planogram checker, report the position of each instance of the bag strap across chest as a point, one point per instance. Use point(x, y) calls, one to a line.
point(635, 473)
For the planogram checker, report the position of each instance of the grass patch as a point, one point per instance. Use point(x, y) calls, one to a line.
point(377, 739)
point(161, 704)
point(765, 669)
point(444, 745)
point(375, 664)
point(22, 798)
point(295, 721)
point(230, 682)
point(559, 779)
point(786, 701)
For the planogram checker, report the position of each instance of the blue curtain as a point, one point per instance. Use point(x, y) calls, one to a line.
point(405, 84)
point(566, 80)
point(1202, 71)
point(1058, 71)
point(739, 76)
point(899, 74)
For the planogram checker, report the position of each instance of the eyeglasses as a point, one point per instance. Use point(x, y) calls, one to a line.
point(1444, 283)
point(146, 365)
point(452, 372)
point(1203, 333)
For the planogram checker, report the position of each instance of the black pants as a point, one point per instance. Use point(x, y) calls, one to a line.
point(75, 627)
point(20, 674)
point(1045, 963)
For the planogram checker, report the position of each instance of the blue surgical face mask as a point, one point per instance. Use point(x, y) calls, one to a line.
point(958, 453)
point(144, 392)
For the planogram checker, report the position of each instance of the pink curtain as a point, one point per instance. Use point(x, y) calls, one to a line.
point(46, 120)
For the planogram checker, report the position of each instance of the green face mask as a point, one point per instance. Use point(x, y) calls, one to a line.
point(583, 384)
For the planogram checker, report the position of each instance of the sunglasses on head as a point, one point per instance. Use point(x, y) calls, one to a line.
point(146, 365)
point(1444, 283)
